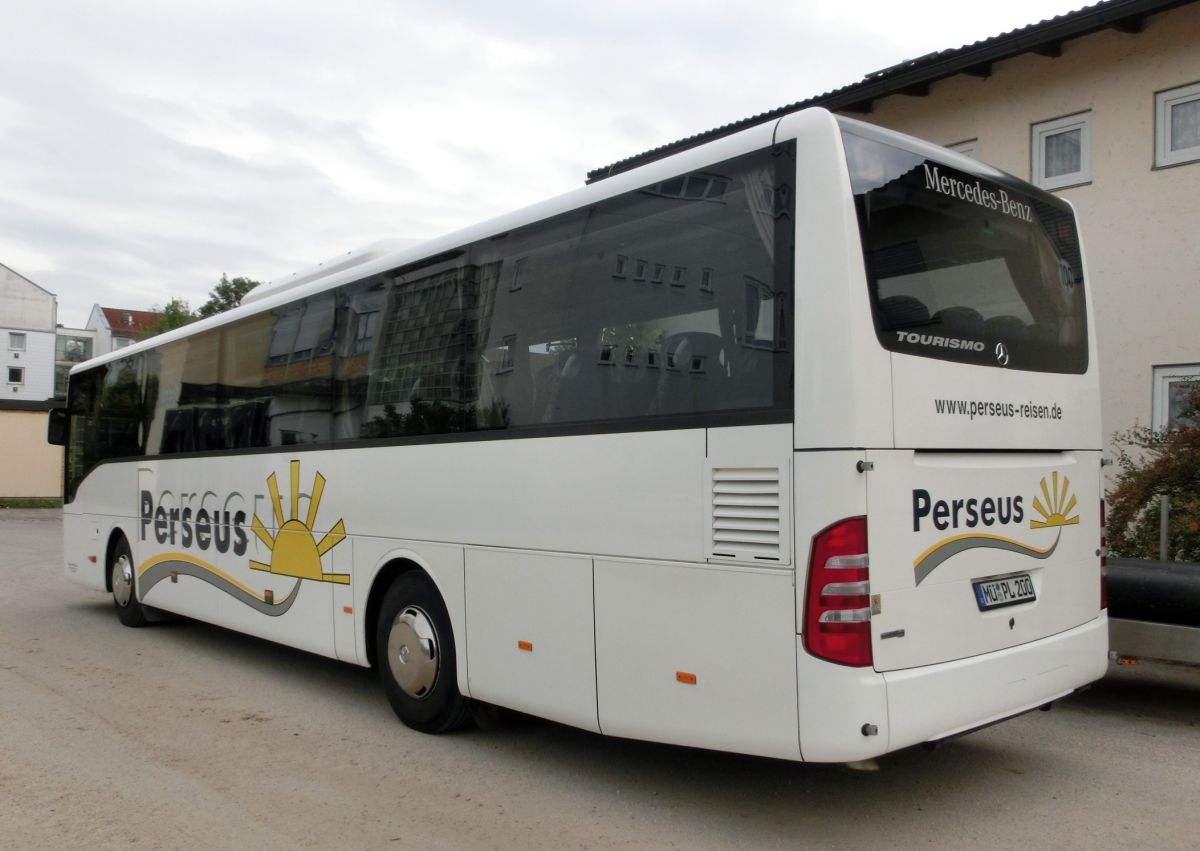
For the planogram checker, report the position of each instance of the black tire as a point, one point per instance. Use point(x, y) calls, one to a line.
point(490, 718)
point(414, 649)
point(121, 577)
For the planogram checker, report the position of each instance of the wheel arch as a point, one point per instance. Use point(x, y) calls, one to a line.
point(395, 567)
point(445, 568)
point(114, 535)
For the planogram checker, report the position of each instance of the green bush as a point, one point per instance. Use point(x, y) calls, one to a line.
point(1153, 463)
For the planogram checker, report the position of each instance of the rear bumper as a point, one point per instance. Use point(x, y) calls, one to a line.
point(938, 701)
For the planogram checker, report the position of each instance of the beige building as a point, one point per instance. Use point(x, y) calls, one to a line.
point(32, 467)
point(1101, 106)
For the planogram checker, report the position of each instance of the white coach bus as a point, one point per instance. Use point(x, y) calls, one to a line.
point(786, 445)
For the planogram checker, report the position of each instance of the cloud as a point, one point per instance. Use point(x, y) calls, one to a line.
point(148, 147)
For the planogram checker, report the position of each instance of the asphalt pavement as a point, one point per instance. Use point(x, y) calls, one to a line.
point(184, 735)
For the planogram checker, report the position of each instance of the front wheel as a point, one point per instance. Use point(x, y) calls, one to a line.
point(416, 662)
point(129, 611)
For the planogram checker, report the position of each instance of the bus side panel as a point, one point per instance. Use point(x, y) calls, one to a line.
point(838, 707)
point(835, 701)
point(698, 656)
point(84, 543)
point(828, 488)
point(530, 635)
point(843, 376)
point(634, 494)
point(108, 493)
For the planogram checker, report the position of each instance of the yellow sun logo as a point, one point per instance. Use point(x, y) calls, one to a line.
point(294, 550)
point(1060, 505)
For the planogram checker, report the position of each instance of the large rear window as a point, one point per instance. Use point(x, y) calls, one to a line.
point(967, 267)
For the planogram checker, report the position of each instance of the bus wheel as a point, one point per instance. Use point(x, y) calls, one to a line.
point(416, 662)
point(129, 611)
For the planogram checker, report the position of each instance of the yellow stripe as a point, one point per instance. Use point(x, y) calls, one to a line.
point(947, 541)
point(1038, 524)
point(314, 501)
point(295, 490)
point(332, 539)
point(276, 502)
point(260, 532)
point(159, 559)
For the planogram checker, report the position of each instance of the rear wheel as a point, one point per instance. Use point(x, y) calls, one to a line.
point(120, 571)
point(416, 661)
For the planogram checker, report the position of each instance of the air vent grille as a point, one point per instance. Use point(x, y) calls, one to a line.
point(746, 513)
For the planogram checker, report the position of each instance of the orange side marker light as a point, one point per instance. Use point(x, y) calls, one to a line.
point(686, 678)
point(92, 559)
point(348, 609)
point(527, 646)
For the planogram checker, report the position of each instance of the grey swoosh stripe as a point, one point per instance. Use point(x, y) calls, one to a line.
point(163, 570)
point(926, 566)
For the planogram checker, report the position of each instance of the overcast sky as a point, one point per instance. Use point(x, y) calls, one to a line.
point(148, 146)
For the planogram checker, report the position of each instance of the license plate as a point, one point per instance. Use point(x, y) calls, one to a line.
point(1007, 591)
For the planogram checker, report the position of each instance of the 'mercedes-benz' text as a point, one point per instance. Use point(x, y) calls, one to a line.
point(976, 193)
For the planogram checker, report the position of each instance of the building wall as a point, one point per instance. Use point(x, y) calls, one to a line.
point(1139, 224)
point(38, 362)
point(98, 325)
point(24, 305)
point(32, 467)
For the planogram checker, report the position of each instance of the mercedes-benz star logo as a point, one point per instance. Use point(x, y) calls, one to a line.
point(1002, 354)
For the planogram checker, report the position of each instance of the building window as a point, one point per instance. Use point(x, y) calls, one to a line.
point(1172, 386)
point(72, 349)
point(1062, 151)
point(16, 375)
point(16, 341)
point(121, 342)
point(969, 147)
point(1177, 126)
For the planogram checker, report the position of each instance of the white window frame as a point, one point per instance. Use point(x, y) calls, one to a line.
point(1163, 102)
point(1164, 377)
point(1040, 132)
point(20, 379)
point(969, 148)
point(17, 341)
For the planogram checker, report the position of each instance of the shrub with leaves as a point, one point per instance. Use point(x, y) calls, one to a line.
point(1152, 463)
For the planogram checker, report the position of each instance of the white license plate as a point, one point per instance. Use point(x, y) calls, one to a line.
point(1007, 591)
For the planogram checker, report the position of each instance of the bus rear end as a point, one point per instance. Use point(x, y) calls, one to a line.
point(948, 450)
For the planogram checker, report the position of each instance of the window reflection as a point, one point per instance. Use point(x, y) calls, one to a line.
point(669, 303)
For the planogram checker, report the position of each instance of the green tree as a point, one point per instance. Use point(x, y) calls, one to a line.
point(1153, 463)
point(226, 295)
point(175, 314)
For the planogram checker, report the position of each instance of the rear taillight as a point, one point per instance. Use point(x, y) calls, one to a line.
point(837, 608)
point(1103, 557)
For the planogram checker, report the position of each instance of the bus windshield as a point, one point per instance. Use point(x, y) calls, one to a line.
point(967, 266)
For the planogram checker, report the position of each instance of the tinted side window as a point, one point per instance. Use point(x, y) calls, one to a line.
point(187, 414)
point(673, 301)
point(415, 380)
point(109, 412)
point(297, 377)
